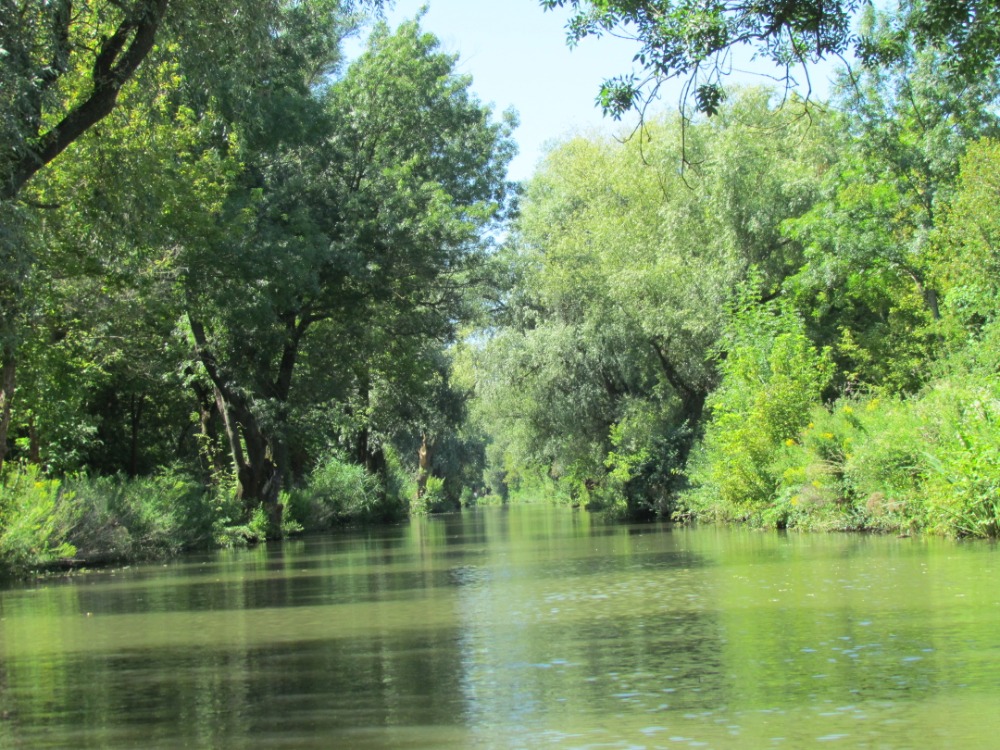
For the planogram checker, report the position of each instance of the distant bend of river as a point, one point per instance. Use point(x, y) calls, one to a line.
point(516, 627)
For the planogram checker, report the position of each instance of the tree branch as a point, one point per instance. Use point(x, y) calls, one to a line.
point(116, 62)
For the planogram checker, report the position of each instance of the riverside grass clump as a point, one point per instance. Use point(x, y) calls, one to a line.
point(35, 520)
point(83, 520)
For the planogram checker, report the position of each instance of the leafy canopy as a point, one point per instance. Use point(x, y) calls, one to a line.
point(696, 39)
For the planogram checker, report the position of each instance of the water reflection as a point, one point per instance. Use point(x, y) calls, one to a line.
point(522, 627)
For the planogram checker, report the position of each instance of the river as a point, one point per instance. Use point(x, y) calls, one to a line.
point(521, 627)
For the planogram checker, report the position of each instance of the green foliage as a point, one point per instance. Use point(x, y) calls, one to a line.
point(771, 377)
point(966, 261)
point(434, 498)
point(35, 524)
point(856, 465)
point(467, 498)
point(622, 270)
point(279, 278)
point(255, 529)
point(697, 40)
point(926, 462)
point(963, 464)
point(116, 518)
point(337, 493)
point(869, 288)
point(645, 463)
point(354, 238)
point(107, 519)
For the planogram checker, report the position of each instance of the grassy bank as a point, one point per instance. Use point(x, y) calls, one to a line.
point(929, 463)
point(79, 520)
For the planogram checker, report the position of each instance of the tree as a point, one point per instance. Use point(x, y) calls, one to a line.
point(867, 283)
point(64, 68)
point(967, 242)
point(357, 221)
point(600, 367)
point(694, 39)
point(100, 291)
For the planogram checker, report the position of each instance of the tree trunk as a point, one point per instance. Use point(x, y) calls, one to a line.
point(259, 478)
point(8, 369)
point(260, 458)
point(136, 419)
point(424, 457)
point(34, 446)
point(208, 428)
point(259, 481)
point(692, 400)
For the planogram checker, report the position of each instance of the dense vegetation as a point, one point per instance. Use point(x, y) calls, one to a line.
point(233, 294)
point(258, 291)
point(796, 329)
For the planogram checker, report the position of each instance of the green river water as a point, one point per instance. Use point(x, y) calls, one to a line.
point(521, 627)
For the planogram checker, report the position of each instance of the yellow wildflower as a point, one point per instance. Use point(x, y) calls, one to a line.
point(789, 442)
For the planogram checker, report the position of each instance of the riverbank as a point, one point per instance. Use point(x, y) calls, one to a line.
point(80, 521)
point(924, 464)
point(927, 464)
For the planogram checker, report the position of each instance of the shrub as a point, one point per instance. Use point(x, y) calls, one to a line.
point(772, 377)
point(963, 464)
point(467, 499)
point(434, 499)
point(931, 462)
point(104, 519)
point(117, 518)
point(337, 492)
point(34, 519)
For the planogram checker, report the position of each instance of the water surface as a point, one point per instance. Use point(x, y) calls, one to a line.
point(527, 627)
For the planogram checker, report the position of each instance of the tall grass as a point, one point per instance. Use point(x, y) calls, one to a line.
point(930, 462)
point(35, 520)
point(86, 520)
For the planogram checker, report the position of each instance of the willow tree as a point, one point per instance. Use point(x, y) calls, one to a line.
point(601, 365)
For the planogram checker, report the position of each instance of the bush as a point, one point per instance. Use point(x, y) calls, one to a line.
point(772, 377)
point(929, 462)
point(338, 492)
point(962, 486)
point(148, 517)
point(467, 499)
point(35, 519)
point(853, 466)
point(105, 519)
point(434, 499)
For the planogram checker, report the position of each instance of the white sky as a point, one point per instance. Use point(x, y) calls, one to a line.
point(517, 56)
